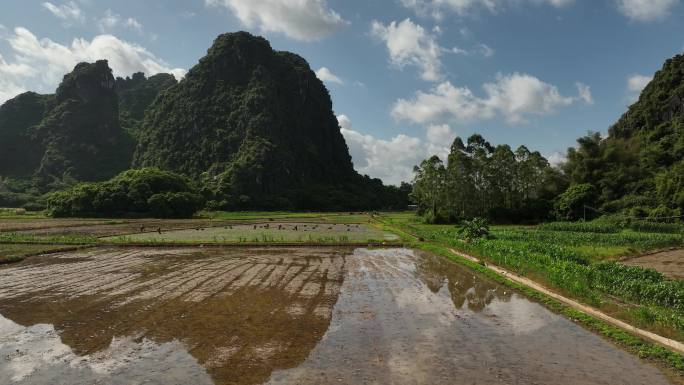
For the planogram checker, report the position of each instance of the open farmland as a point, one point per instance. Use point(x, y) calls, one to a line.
point(285, 232)
point(274, 315)
point(128, 303)
point(579, 263)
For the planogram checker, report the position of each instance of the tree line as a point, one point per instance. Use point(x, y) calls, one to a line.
point(482, 180)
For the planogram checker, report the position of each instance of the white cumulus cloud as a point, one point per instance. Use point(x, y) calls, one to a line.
point(69, 12)
point(410, 44)
point(327, 76)
point(443, 102)
point(392, 160)
point(646, 10)
point(514, 97)
point(440, 134)
point(44, 62)
point(635, 84)
point(557, 158)
point(305, 20)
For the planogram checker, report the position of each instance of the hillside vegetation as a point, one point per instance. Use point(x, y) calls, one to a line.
point(639, 168)
point(137, 193)
point(636, 173)
point(252, 126)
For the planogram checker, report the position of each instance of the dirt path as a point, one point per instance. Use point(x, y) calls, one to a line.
point(290, 315)
point(670, 263)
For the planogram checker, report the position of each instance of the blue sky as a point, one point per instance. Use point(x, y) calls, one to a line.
point(406, 76)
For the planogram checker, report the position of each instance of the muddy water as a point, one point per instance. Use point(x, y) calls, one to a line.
point(304, 316)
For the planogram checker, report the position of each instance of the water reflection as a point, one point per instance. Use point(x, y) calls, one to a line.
point(466, 290)
point(37, 355)
point(409, 318)
point(238, 314)
point(306, 316)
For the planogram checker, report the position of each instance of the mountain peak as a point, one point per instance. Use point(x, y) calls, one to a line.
point(87, 81)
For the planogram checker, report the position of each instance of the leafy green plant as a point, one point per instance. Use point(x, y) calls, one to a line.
point(473, 229)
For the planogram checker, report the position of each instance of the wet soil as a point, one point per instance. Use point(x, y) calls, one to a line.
point(285, 315)
point(267, 232)
point(670, 263)
point(103, 228)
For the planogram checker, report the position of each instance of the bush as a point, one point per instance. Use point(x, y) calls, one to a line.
point(435, 219)
point(174, 205)
point(136, 193)
point(570, 204)
point(33, 206)
point(11, 199)
point(474, 229)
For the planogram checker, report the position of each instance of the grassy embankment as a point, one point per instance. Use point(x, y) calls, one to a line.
point(578, 265)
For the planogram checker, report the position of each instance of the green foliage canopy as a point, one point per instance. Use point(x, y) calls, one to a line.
point(638, 169)
point(486, 181)
point(138, 193)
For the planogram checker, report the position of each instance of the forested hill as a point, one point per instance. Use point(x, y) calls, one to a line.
point(252, 126)
point(639, 167)
point(256, 127)
point(83, 132)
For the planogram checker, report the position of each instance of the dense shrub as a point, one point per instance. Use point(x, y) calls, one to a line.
point(33, 206)
point(11, 199)
point(144, 192)
point(174, 204)
point(474, 229)
point(570, 205)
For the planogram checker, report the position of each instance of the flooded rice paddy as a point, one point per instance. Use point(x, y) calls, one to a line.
point(296, 232)
point(285, 316)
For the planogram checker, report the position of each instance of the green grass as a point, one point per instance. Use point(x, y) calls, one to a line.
point(17, 252)
point(27, 238)
point(593, 245)
point(10, 213)
point(580, 227)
